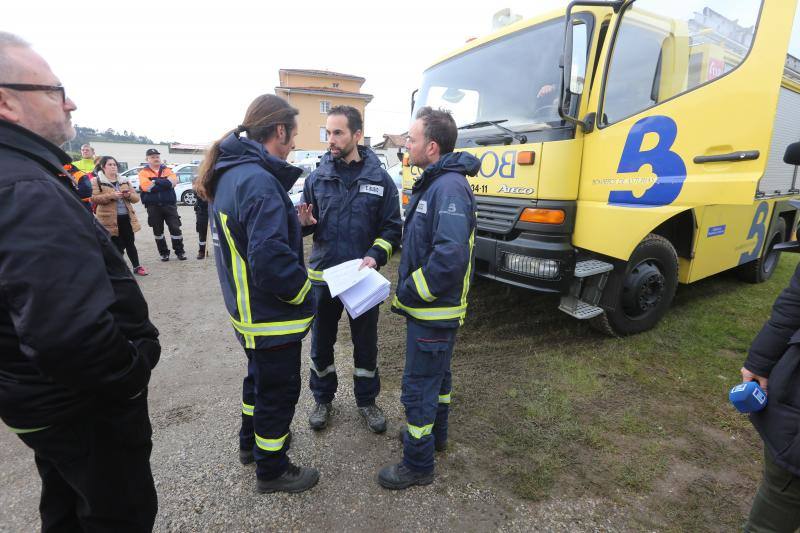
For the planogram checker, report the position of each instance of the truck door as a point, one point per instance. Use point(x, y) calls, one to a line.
point(684, 114)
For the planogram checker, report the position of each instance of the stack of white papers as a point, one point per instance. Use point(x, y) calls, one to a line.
point(359, 290)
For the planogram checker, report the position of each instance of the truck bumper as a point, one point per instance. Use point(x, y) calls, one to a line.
point(539, 262)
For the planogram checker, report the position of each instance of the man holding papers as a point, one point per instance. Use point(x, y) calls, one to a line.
point(351, 208)
point(432, 286)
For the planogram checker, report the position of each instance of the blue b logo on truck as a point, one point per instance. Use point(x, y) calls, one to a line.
point(667, 165)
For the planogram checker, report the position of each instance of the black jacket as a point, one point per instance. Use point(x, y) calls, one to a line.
point(74, 327)
point(775, 353)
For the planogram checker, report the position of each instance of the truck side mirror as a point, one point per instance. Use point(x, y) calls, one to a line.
point(577, 70)
point(792, 154)
point(573, 68)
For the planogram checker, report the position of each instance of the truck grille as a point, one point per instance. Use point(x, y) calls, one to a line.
point(498, 215)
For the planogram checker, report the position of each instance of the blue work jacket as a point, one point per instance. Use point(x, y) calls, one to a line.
point(354, 220)
point(257, 237)
point(438, 238)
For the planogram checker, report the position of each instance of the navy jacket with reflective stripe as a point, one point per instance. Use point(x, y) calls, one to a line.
point(352, 222)
point(438, 236)
point(259, 246)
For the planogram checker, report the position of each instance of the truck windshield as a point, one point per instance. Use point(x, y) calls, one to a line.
point(515, 79)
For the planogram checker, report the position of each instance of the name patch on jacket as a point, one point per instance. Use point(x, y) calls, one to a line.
point(422, 207)
point(377, 190)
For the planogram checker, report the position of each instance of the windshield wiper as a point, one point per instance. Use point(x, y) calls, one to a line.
point(522, 139)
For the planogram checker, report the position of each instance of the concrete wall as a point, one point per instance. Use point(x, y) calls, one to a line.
point(133, 154)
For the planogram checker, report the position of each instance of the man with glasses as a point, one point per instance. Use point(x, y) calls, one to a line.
point(76, 344)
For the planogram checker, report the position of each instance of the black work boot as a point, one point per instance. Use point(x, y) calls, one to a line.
point(295, 479)
point(181, 256)
point(201, 254)
point(318, 419)
point(376, 422)
point(399, 476)
point(246, 456)
point(165, 257)
point(439, 446)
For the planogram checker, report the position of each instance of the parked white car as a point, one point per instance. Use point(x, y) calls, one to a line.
point(186, 173)
point(132, 175)
point(396, 172)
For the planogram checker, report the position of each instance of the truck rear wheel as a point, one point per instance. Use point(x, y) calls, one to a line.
point(646, 289)
point(761, 269)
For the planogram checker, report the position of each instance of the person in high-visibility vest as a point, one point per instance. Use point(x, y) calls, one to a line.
point(86, 163)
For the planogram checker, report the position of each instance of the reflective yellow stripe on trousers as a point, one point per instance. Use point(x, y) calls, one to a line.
point(270, 445)
point(239, 269)
point(418, 432)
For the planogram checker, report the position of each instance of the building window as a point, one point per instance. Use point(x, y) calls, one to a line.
point(335, 85)
point(324, 106)
point(323, 135)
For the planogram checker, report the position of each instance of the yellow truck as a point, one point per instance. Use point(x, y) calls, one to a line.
point(626, 147)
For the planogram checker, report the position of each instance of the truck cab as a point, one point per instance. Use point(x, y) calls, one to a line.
point(626, 147)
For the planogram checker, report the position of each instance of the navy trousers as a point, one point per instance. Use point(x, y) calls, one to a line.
point(426, 392)
point(269, 395)
point(364, 332)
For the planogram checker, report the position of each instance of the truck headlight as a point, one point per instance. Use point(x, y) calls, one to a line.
point(534, 267)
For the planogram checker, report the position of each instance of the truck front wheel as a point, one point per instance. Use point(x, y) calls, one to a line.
point(645, 289)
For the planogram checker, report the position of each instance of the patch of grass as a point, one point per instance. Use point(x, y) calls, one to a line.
point(570, 412)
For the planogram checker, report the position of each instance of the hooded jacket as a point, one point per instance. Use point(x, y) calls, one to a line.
point(775, 353)
point(438, 237)
point(259, 246)
point(74, 327)
point(355, 220)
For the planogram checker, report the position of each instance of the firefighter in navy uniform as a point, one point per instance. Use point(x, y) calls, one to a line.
point(259, 257)
point(432, 286)
point(352, 209)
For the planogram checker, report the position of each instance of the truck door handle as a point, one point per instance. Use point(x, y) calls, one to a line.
point(732, 157)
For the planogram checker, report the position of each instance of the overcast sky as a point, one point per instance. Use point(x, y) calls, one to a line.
point(186, 71)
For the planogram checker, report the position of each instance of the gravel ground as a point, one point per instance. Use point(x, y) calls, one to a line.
point(195, 402)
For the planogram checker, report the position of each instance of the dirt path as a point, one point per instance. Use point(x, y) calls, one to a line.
point(195, 401)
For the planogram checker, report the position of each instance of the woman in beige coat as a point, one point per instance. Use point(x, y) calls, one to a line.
point(114, 198)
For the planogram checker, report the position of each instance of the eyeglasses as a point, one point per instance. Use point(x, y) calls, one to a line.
point(31, 87)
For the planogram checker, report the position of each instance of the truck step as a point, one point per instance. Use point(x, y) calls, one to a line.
point(592, 267)
point(579, 309)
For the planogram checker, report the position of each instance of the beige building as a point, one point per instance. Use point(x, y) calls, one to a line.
point(313, 93)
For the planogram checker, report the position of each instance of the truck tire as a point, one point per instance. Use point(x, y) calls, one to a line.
point(761, 269)
point(646, 289)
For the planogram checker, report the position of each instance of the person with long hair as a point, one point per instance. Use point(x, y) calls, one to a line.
point(259, 257)
point(114, 198)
